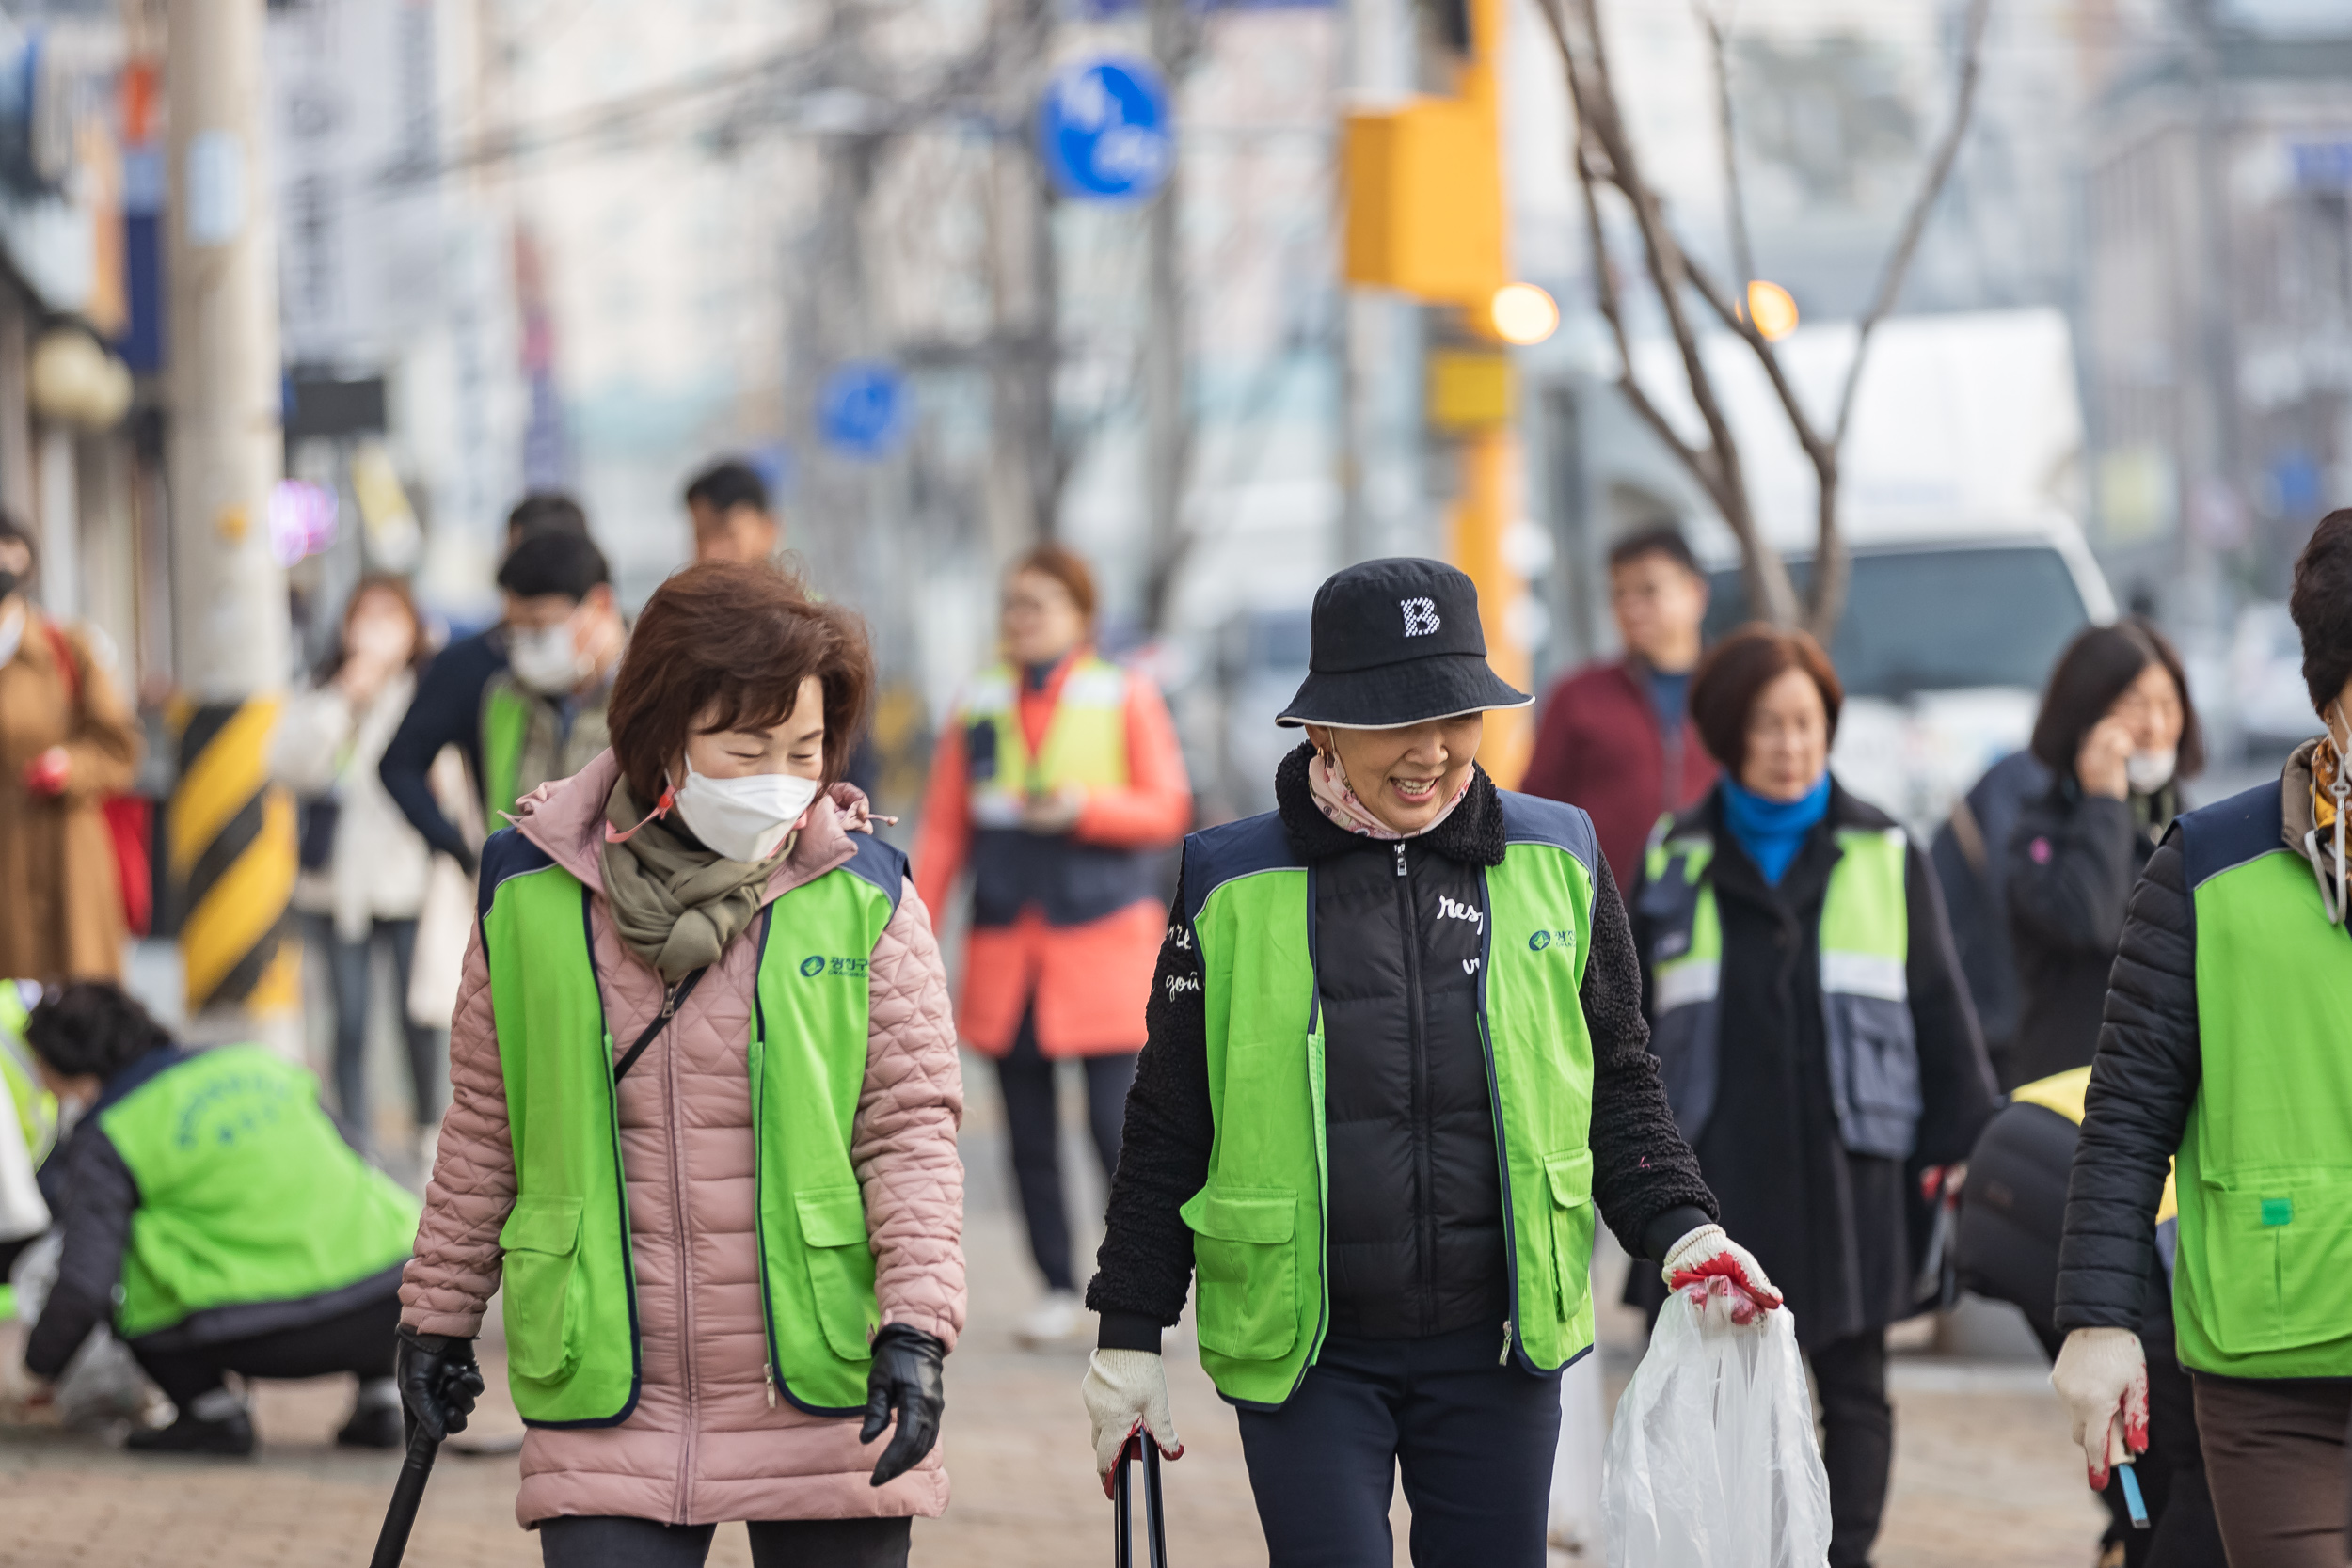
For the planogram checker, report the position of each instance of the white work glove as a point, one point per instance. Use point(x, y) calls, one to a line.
point(2102, 1375)
point(1732, 1284)
point(1126, 1392)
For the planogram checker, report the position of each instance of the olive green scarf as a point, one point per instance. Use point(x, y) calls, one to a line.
point(676, 904)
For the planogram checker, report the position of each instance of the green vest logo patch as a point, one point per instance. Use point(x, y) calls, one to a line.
point(817, 964)
point(229, 1108)
point(1542, 940)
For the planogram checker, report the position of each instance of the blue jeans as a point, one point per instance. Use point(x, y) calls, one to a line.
point(1474, 1440)
point(351, 967)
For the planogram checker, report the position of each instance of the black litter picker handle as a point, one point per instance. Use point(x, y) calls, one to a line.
point(1154, 1513)
point(408, 1493)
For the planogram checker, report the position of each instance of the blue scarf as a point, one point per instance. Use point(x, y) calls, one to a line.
point(1771, 832)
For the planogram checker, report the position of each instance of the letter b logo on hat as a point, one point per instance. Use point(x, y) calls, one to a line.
point(1420, 616)
point(1397, 641)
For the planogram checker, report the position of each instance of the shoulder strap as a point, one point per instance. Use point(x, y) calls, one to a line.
point(670, 1005)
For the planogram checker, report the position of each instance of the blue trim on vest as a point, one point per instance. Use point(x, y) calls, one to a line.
point(507, 853)
point(1532, 820)
point(162, 1059)
point(2229, 833)
point(1215, 856)
point(883, 865)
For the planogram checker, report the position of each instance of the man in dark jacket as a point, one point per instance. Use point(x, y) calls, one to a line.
point(447, 709)
point(1616, 737)
point(1342, 1008)
point(2224, 1047)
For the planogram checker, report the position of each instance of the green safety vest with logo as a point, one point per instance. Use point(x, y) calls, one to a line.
point(247, 1193)
point(1865, 942)
point(570, 1290)
point(2264, 1167)
point(1086, 744)
point(1261, 1287)
point(505, 725)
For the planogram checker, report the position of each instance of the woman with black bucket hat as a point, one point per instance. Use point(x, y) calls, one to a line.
point(1396, 1059)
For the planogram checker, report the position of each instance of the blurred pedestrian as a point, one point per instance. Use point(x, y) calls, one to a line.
point(1396, 1059)
point(2223, 1044)
point(1616, 737)
point(364, 868)
point(1812, 1030)
point(2012, 1217)
point(67, 742)
point(2116, 734)
point(543, 717)
point(215, 1217)
point(728, 503)
point(702, 1135)
point(1971, 862)
point(1059, 781)
point(447, 709)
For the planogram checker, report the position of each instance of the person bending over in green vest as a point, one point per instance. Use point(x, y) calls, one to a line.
point(214, 1217)
point(1396, 1059)
point(702, 1134)
point(2227, 1043)
point(543, 717)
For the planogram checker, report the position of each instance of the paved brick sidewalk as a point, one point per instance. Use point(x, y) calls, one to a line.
point(1984, 1473)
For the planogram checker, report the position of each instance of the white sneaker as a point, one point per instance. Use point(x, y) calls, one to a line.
point(1057, 1320)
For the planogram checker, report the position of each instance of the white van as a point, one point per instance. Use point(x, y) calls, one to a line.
point(1950, 630)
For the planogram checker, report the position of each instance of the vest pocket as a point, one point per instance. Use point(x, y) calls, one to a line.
point(1570, 1177)
point(1874, 1064)
point(840, 1268)
point(2277, 1254)
point(542, 1240)
point(1245, 1252)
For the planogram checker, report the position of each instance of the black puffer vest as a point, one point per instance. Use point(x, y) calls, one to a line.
point(1416, 1241)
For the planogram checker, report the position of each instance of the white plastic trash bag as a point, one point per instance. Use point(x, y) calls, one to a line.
point(1712, 1461)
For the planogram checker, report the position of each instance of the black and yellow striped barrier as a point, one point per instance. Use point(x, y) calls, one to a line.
point(232, 848)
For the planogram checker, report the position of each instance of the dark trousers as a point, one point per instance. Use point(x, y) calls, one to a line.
point(1858, 1440)
point(1027, 1076)
point(351, 967)
point(359, 1341)
point(1474, 1439)
point(609, 1542)
point(2275, 1459)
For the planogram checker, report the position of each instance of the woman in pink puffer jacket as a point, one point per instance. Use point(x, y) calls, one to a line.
point(704, 1100)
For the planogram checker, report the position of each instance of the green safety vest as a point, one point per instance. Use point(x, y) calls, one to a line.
point(1086, 744)
point(247, 1193)
point(2264, 1165)
point(1865, 944)
point(1263, 1290)
point(505, 724)
point(570, 1291)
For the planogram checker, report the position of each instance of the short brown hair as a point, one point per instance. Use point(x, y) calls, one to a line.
point(1738, 669)
point(2322, 606)
point(1064, 566)
point(738, 637)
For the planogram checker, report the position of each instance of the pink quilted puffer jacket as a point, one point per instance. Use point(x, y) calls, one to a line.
point(704, 1445)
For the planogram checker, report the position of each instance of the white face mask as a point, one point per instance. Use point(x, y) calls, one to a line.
point(2147, 772)
point(545, 659)
point(743, 819)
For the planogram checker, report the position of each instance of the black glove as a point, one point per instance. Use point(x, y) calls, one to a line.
point(906, 1378)
point(438, 1380)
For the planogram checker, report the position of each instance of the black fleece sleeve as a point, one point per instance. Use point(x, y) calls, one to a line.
point(445, 711)
point(2070, 874)
point(100, 1197)
point(1144, 1266)
point(2142, 1083)
point(1957, 1091)
point(1643, 1171)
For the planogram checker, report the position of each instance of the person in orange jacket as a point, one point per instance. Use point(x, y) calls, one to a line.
point(1059, 784)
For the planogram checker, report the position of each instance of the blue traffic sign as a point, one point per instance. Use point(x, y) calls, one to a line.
point(1106, 132)
point(862, 409)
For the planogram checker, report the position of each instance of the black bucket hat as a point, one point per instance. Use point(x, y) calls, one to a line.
point(1397, 643)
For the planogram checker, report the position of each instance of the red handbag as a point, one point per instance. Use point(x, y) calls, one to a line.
point(130, 819)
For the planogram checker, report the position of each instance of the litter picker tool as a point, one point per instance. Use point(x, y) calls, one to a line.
point(1154, 1515)
point(392, 1544)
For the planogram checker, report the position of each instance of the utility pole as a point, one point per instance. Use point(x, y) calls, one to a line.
point(1166, 417)
point(1025, 465)
point(231, 833)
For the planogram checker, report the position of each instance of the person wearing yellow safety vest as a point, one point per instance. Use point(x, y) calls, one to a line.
point(543, 717)
point(215, 1217)
point(2227, 1047)
point(1813, 1031)
point(2013, 1211)
point(1396, 1063)
point(1059, 783)
point(702, 1135)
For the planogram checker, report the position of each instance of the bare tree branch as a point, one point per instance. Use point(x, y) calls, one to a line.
point(1735, 203)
